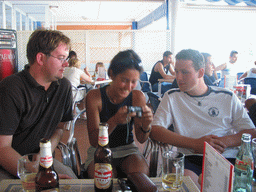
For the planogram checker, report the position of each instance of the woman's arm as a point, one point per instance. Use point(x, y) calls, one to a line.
point(85, 78)
point(142, 125)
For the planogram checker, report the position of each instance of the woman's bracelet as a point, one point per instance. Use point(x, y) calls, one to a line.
point(146, 131)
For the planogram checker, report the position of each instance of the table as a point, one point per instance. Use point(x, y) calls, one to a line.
point(94, 83)
point(75, 185)
point(160, 87)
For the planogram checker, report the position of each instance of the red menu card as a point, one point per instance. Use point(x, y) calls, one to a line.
point(217, 173)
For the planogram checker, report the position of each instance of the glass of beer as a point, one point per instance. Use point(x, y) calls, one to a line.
point(172, 170)
point(27, 169)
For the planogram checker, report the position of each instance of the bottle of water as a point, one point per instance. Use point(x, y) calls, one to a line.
point(244, 166)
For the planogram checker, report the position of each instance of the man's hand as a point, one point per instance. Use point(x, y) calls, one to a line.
point(64, 176)
point(213, 140)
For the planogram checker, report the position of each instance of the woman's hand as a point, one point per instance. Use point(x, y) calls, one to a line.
point(147, 117)
point(122, 116)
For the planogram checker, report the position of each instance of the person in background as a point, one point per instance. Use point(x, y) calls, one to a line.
point(36, 102)
point(229, 68)
point(199, 113)
point(100, 73)
point(250, 73)
point(97, 66)
point(160, 70)
point(110, 104)
point(76, 76)
point(72, 54)
point(250, 105)
point(208, 75)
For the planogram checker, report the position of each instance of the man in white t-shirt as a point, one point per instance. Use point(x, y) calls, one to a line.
point(230, 67)
point(199, 113)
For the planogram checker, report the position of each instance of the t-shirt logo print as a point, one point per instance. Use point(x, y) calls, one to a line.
point(213, 112)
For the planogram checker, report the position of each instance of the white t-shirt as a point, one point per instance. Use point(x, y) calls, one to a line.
point(73, 74)
point(231, 69)
point(250, 73)
point(221, 113)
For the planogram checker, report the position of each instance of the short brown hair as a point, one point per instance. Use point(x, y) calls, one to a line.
point(44, 41)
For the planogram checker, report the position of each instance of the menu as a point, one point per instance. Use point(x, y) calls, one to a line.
point(217, 173)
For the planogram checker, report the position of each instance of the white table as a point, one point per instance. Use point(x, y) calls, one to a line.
point(94, 83)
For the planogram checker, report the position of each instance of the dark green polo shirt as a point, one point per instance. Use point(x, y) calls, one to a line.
point(30, 113)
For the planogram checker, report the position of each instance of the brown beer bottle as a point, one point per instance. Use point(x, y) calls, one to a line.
point(47, 178)
point(102, 162)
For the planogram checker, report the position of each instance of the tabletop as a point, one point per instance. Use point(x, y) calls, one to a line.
point(77, 185)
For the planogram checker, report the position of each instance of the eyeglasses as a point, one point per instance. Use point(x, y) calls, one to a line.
point(62, 60)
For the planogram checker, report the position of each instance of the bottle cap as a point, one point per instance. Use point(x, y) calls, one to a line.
point(246, 137)
point(45, 143)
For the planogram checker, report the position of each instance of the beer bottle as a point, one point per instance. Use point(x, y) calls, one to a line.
point(244, 166)
point(47, 178)
point(102, 162)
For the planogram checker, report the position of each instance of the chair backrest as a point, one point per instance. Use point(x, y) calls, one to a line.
point(239, 74)
point(221, 83)
point(154, 100)
point(145, 84)
point(70, 152)
point(251, 81)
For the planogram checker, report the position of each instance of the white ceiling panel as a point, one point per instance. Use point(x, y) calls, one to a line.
point(84, 11)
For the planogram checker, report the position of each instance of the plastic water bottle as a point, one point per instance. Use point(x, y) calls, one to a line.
point(244, 166)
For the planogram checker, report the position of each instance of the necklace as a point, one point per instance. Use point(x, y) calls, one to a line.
point(199, 103)
point(110, 98)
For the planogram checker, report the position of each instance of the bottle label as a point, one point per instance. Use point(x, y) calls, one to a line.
point(103, 140)
point(242, 165)
point(46, 161)
point(51, 190)
point(103, 175)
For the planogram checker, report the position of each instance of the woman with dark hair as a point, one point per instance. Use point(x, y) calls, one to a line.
point(110, 104)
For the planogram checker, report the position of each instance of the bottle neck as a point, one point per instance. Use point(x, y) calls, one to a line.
point(103, 137)
point(46, 159)
point(246, 145)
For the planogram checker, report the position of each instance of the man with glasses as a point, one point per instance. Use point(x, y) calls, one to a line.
point(36, 102)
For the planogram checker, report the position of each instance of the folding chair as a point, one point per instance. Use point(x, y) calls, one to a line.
point(144, 82)
point(251, 81)
point(70, 152)
point(154, 100)
point(153, 151)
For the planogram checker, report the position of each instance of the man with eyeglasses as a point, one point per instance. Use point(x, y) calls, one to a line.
point(36, 102)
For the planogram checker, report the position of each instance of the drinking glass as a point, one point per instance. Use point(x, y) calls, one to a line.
point(254, 156)
point(27, 169)
point(172, 170)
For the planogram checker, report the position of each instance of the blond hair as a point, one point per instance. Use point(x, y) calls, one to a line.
point(74, 62)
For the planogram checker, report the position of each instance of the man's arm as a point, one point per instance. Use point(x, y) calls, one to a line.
point(235, 139)
point(171, 69)
point(164, 135)
point(57, 136)
point(159, 68)
point(221, 67)
point(9, 157)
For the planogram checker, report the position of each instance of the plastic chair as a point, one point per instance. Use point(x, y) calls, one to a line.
point(154, 100)
point(144, 82)
point(70, 152)
point(239, 74)
point(221, 82)
point(251, 81)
